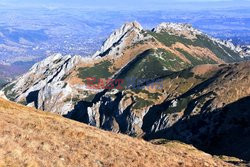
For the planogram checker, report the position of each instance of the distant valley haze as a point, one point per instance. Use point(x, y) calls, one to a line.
point(128, 4)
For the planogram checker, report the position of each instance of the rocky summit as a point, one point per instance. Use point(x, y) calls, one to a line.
point(173, 82)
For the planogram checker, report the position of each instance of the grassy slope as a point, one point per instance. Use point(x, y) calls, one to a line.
point(100, 70)
point(33, 138)
point(152, 64)
point(201, 41)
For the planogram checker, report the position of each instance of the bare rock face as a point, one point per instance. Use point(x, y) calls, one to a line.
point(44, 81)
point(119, 37)
point(56, 93)
point(178, 29)
point(245, 51)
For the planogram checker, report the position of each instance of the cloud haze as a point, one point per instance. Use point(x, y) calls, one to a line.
point(128, 4)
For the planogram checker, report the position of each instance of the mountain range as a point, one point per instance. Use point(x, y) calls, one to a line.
point(172, 82)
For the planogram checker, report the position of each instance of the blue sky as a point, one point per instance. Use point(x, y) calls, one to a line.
point(127, 4)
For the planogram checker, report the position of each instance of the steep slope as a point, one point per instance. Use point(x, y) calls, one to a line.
point(46, 74)
point(33, 138)
point(212, 115)
point(170, 34)
point(165, 83)
point(205, 106)
point(148, 110)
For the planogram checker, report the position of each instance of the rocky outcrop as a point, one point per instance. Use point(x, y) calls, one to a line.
point(178, 29)
point(221, 131)
point(44, 81)
point(118, 39)
point(245, 51)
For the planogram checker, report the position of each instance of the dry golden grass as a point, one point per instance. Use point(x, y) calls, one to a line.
point(33, 138)
point(197, 52)
point(205, 69)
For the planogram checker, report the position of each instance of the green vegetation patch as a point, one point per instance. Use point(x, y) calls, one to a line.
point(90, 98)
point(181, 105)
point(196, 61)
point(141, 103)
point(203, 41)
point(219, 50)
point(74, 100)
point(11, 96)
point(169, 40)
point(2, 83)
point(151, 96)
point(170, 61)
point(100, 70)
point(153, 64)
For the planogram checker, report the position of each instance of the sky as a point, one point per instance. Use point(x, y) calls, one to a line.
point(126, 4)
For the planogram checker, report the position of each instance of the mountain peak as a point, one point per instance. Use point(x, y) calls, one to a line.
point(131, 25)
point(50, 70)
point(117, 36)
point(180, 29)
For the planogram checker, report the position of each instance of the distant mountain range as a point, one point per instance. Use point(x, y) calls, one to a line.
point(174, 81)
